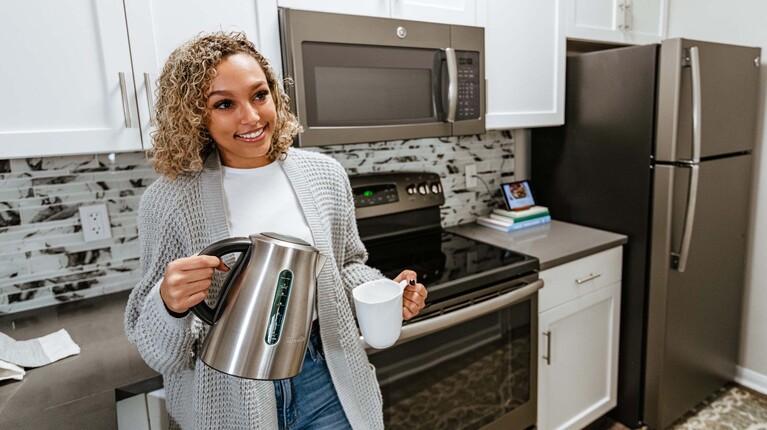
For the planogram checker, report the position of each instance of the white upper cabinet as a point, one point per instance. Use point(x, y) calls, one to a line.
point(617, 21)
point(63, 66)
point(157, 27)
point(525, 49)
point(381, 8)
point(461, 12)
point(83, 73)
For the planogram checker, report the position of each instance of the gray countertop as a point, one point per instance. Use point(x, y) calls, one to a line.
point(78, 392)
point(553, 243)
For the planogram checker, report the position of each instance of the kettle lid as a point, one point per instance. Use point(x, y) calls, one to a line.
point(286, 238)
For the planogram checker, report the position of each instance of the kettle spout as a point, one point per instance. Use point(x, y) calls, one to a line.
point(321, 259)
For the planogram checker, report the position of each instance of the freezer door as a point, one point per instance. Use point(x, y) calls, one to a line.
point(723, 111)
point(694, 316)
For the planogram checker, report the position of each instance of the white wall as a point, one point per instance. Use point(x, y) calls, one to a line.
point(740, 22)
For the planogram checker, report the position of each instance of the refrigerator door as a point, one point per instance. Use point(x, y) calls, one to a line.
point(694, 316)
point(723, 111)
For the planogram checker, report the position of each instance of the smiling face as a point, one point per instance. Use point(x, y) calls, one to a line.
point(242, 114)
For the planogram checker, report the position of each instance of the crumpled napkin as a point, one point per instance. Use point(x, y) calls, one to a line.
point(47, 349)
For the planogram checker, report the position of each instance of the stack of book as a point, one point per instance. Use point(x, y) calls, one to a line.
point(501, 219)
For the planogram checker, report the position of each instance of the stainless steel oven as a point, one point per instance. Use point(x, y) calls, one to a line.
point(368, 79)
point(469, 359)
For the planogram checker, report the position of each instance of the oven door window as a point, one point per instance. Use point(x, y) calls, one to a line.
point(358, 85)
point(462, 377)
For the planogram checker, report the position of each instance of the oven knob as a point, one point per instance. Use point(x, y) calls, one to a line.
point(410, 189)
point(422, 189)
point(435, 188)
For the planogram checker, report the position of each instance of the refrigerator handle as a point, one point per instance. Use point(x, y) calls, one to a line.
point(696, 103)
point(679, 260)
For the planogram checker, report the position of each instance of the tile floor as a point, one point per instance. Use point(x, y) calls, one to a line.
point(731, 408)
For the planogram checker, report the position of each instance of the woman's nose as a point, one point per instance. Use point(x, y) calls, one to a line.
point(250, 114)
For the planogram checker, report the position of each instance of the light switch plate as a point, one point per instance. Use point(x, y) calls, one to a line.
point(95, 222)
point(471, 176)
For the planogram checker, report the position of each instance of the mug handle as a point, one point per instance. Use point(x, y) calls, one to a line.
point(217, 249)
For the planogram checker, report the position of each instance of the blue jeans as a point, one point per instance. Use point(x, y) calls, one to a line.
point(309, 400)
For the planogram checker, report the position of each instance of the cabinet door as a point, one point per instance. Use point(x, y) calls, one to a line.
point(647, 21)
point(525, 51)
point(617, 21)
point(595, 20)
point(157, 27)
point(461, 12)
point(61, 79)
point(578, 364)
point(380, 8)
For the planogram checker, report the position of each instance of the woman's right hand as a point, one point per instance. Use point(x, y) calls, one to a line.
point(187, 281)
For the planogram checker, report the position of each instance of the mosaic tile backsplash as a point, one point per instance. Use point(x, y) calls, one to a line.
point(44, 259)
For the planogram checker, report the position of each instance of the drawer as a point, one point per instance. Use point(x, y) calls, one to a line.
point(576, 278)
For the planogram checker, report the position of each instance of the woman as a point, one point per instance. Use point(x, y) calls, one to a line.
point(223, 148)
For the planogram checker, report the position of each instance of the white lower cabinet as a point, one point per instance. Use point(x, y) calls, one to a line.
point(578, 321)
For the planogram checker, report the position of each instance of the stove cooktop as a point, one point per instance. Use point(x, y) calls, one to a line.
point(447, 264)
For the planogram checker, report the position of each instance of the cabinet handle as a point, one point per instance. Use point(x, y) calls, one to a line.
point(587, 278)
point(547, 357)
point(126, 106)
point(149, 99)
point(626, 7)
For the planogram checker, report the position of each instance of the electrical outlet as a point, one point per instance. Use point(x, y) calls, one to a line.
point(95, 222)
point(471, 176)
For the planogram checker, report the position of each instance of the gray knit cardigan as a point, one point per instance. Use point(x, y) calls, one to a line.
point(178, 218)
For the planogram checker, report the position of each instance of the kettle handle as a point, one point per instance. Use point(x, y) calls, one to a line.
point(222, 247)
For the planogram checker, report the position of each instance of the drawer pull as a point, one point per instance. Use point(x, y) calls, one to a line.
point(588, 278)
point(547, 357)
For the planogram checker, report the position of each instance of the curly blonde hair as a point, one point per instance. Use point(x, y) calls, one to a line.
point(181, 140)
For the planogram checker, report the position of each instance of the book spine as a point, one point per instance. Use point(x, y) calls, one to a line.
point(519, 219)
point(488, 224)
point(530, 223)
point(535, 210)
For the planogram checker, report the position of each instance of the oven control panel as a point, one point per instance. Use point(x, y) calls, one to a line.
point(378, 194)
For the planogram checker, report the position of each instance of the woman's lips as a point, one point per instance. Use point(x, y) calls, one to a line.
point(252, 135)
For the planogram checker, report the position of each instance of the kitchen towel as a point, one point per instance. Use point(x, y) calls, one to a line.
point(10, 371)
point(37, 352)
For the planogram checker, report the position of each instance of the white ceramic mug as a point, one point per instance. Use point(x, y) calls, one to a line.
point(379, 311)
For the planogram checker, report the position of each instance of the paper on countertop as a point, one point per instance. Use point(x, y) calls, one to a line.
point(10, 371)
point(39, 351)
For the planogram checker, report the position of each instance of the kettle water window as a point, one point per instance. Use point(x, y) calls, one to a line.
point(279, 306)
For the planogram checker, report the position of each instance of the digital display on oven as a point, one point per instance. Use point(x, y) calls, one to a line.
point(371, 195)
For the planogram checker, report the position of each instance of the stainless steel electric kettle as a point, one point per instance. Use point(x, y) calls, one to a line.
point(262, 320)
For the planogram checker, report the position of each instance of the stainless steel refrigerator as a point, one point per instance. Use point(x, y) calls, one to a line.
point(657, 145)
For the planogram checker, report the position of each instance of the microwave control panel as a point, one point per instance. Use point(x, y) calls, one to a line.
point(468, 85)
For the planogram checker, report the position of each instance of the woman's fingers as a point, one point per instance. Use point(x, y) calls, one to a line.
point(413, 300)
point(187, 281)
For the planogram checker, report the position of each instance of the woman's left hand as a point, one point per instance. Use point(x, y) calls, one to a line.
point(414, 296)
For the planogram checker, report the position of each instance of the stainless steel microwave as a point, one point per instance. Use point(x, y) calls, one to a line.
point(367, 79)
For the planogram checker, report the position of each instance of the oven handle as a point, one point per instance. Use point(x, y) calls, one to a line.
point(433, 325)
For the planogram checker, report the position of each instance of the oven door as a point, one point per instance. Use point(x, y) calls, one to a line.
point(470, 368)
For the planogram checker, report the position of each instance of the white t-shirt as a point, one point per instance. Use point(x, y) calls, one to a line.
point(263, 200)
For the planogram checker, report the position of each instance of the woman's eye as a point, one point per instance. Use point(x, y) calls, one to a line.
point(261, 95)
point(223, 104)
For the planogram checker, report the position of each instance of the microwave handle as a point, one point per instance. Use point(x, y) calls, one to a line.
point(452, 87)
